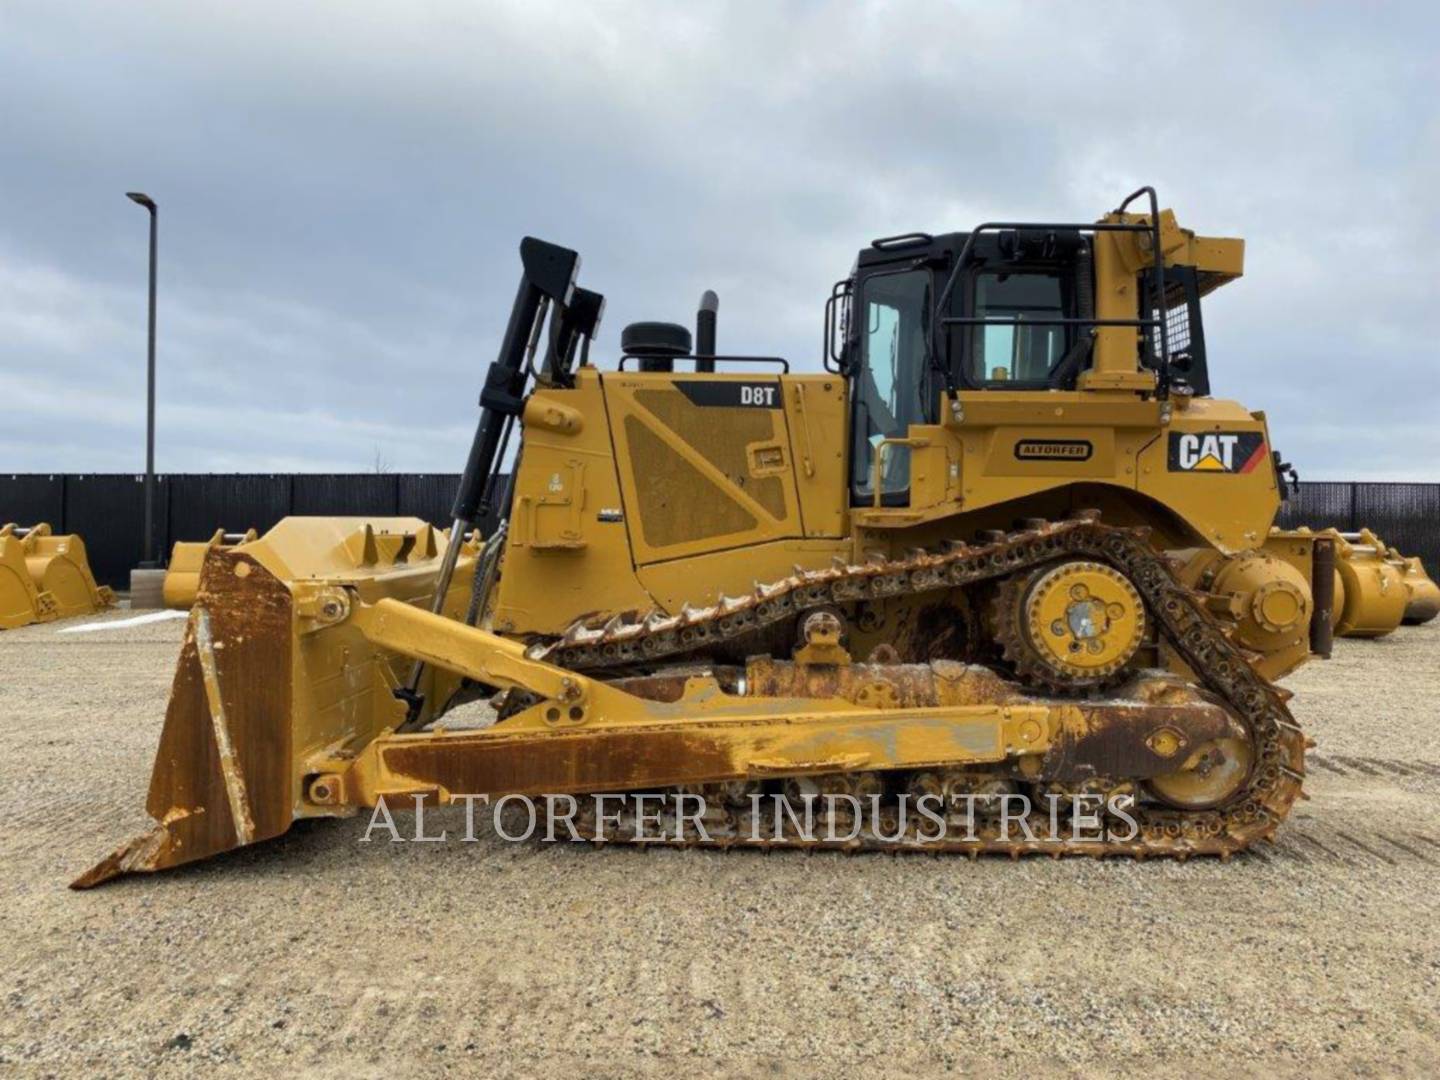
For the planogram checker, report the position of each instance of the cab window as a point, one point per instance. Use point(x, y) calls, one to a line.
point(1019, 352)
point(893, 378)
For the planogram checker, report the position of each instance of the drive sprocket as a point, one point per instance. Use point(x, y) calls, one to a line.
point(1071, 625)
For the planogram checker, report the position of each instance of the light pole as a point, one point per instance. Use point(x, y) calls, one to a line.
point(150, 562)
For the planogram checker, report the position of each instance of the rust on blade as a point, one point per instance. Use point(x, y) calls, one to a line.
point(222, 772)
point(229, 768)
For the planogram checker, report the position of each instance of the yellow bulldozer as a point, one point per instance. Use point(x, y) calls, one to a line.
point(44, 577)
point(1004, 551)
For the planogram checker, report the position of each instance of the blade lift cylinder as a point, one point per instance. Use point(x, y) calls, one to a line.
point(548, 279)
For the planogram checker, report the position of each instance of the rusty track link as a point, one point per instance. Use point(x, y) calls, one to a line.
point(1253, 815)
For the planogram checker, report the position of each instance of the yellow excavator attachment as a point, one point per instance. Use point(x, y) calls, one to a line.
point(1376, 587)
point(1423, 602)
point(45, 577)
point(20, 602)
point(1376, 595)
point(1383, 588)
point(182, 576)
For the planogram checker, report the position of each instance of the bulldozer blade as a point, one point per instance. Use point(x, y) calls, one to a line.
point(271, 673)
point(220, 773)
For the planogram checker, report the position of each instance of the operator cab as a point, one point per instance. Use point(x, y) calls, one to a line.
point(1036, 286)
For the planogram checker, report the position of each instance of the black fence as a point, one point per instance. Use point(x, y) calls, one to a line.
point(1406, 516)
point(108, 510)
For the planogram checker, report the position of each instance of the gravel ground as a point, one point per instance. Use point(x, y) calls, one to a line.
point(317, 954)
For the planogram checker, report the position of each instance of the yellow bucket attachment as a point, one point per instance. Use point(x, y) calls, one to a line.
point(182, 576)
point(1375, 592)
point(1374, 588)
point(1384, 604)
point(45, 577)
point(20, 602)
point(1423, 595)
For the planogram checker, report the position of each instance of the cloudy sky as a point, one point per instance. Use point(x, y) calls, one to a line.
point(343, 186)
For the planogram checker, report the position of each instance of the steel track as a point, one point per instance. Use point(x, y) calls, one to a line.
point(1252, 815)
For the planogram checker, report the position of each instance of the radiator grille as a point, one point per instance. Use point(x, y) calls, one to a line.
point(720, 436)
point(678, 504)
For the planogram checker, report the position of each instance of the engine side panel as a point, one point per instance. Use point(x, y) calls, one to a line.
point(704, 461)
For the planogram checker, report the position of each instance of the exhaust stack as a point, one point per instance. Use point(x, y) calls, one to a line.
point(705, 330)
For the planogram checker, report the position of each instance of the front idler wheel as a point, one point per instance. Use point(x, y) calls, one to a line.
point(1210, 777)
